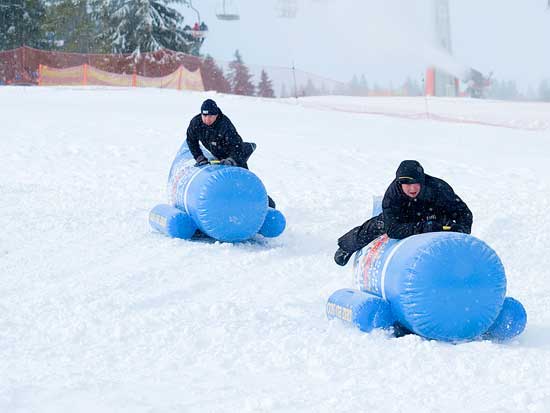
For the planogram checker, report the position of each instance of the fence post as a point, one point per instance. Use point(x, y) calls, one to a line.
point(40, 74)
point(85, 76)
point(134, 78)
point(179, 76)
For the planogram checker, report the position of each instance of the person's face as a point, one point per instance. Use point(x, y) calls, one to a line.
point(411, 190)
point(209, 119)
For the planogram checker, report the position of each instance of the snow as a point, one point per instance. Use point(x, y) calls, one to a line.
point(98, 313)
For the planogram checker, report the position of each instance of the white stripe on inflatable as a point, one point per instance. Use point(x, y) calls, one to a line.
point(384, 269)
point(189, 186)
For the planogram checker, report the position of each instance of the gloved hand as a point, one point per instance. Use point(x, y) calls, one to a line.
point(457, 228)
point(228, 161)
point(342, 257)
point(201, 160)
point(432, 226)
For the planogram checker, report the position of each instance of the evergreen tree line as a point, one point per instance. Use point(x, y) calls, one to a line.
point(358, 86)
point(508, 90)
point(238, 79)
point(95, 26)
point(499, 89)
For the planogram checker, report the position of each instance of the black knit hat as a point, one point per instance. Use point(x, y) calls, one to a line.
point(209, 107)
point(410, 172)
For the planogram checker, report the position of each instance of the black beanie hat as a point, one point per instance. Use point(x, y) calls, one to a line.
point(209, 107)
point(410, 172)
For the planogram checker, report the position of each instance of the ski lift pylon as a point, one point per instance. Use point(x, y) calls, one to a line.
point(227, 10)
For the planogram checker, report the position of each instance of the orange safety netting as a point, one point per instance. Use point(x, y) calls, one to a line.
point(21, 66)
point(180, 79)
point(70, 76)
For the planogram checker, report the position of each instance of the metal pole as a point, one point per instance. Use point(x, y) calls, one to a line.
point(195, 10)
point(294, 76)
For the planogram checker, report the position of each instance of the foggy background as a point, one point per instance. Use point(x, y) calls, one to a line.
point(385, 40)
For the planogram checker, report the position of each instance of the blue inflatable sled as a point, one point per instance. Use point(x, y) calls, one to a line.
point(226, 203)
point(443, 285)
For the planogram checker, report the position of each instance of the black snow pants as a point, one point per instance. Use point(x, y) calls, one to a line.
point(362, 235)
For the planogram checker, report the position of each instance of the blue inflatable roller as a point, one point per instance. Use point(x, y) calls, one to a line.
point(274, 224)
point(510, 322)
point(226, 203)
point(442, 285)
point(365, 311)
point(172, 222)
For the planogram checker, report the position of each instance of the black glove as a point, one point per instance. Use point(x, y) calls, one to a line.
point(201, 160)
point(458, 228)
point(342, 257)
point(228, 161)
point(432, 226)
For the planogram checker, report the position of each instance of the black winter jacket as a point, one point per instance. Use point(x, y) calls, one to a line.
point(435, 204)
point(221, 139)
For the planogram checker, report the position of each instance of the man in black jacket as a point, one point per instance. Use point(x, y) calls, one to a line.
point(216, 132)
point(414, 203)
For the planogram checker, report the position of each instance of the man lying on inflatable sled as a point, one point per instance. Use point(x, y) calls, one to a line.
point(418, 269)
point(211, 192)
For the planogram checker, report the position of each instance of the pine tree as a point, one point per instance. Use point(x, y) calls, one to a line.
point(213, 76)
point(363, 86)
point(354, 86)
point(71, 26)
point(506, 90)
point(21, 23)
point(412, 87)
point(136, 26)
point(239, 77)
point(544, 90)
point(265, 87)
point(310, 89)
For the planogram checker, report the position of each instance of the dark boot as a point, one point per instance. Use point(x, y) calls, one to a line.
point(342, 257)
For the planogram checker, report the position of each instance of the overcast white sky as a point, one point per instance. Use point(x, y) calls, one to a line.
point(386, 40)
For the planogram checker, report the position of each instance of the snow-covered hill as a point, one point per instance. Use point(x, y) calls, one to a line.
point(100, 314)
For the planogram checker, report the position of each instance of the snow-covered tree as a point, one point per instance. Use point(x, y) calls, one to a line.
point(239, 77)
point(70, 25)
point(137, 26)
point(20, 23)
point(265, 87)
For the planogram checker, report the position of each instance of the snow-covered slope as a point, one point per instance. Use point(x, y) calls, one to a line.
point(100, 314)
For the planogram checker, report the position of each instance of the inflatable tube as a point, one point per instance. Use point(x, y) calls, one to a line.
point(226, 203)
point(510, 322)
point(360, 309)
point(442, 285)
point(172, 222)
point(274, 224)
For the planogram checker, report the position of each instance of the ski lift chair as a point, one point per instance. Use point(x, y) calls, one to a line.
point(287, 9)
point(200, 30)
point(198, 34)
point(227, 11)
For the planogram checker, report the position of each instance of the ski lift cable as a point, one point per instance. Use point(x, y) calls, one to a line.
point(189, 4)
